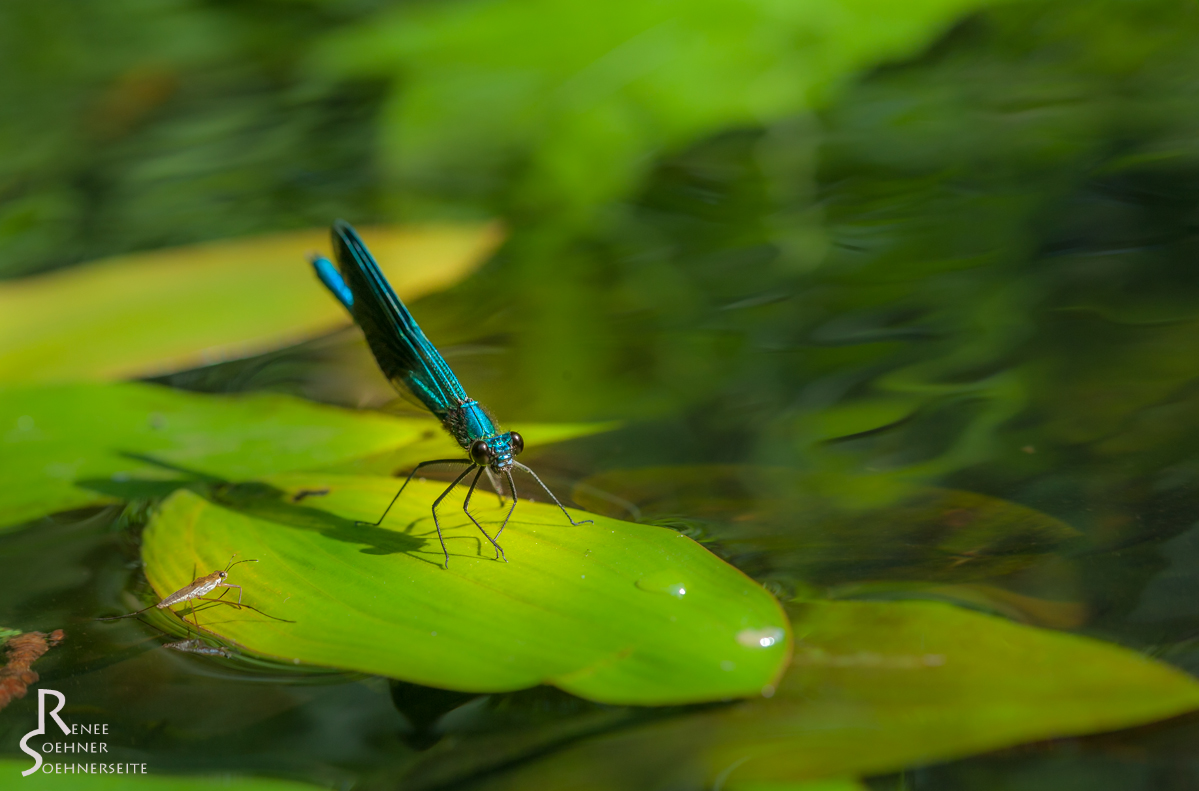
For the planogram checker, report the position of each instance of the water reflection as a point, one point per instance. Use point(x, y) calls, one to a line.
point(949, 355)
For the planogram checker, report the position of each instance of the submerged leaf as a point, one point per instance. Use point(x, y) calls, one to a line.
point(1055, 614)
point(71, 446)
point(611, 611)
point(874, 687)
point(830, 529)
point(152, 313)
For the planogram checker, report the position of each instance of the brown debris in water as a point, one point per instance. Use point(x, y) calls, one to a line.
point(23, 650)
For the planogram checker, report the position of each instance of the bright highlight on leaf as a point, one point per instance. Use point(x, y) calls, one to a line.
point(151, 313)
point(613, 611)
point(71, 446)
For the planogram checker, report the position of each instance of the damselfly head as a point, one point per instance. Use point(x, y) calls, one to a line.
point(497, 452)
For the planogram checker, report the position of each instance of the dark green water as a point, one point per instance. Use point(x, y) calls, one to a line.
point(976, 270)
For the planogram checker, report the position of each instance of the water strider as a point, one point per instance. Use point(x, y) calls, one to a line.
point(195, 590)
point(413, 364)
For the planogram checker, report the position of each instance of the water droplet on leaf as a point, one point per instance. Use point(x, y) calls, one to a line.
point(664, 582)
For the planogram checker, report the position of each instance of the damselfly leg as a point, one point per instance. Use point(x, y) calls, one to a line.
point(408, 480)
point(465, 505)
point(470, 493)
point(499, 552)
point(437, 524)
point(557, 502)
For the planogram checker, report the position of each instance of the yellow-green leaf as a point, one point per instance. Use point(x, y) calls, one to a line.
point(875, 687)
point(611, 611)
point(70, 446)
point(150, 313)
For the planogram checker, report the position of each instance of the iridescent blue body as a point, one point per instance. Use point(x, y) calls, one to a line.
point(414, 365)
point(406, 356)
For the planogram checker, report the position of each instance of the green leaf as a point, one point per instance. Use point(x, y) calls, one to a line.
point(581, 97)
point(874, 687)
point(70, 446)
point(10, 771)
point(152, 313)
point(611, 611)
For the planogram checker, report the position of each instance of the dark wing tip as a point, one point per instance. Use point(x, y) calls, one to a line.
point(348, 245)
point(343, 229)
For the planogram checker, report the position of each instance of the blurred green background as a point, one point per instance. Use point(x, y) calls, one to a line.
point(816, 256)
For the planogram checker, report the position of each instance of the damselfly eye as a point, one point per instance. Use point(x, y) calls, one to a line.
point(518, 443)
point(480, 452)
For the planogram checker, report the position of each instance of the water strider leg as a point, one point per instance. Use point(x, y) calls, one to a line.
point(237, 606)
point(437, 502)
point(195, 617)
point(409, 478)
point(231, 585)
point(499, 552)
point(196, 612)
point(551, 494)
